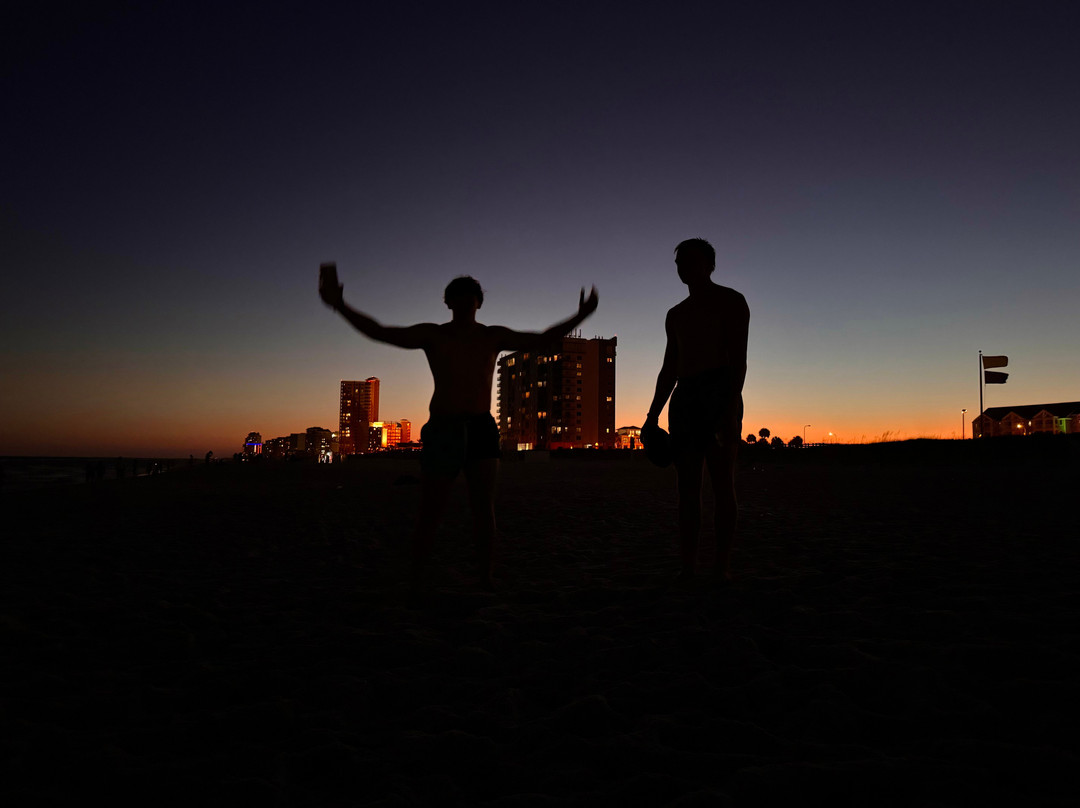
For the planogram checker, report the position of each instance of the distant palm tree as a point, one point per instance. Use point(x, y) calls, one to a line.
point(764, 433)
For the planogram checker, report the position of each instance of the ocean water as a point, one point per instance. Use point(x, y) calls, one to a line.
point(29, 473)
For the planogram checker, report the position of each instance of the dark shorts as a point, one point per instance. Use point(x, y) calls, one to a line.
point(705, 412)
point(450, 442)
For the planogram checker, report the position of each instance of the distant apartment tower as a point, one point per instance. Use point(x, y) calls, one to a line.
point(562, 399)
point(253, 444)
point(383, 435)
point(359, 408)
point(319, 444)
point(406, 430)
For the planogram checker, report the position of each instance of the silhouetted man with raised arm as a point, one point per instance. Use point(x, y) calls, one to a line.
point(705, 364)
point(461, 434)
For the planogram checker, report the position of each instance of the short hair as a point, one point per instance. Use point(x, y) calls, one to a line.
point(463, 285)
point(701, 247)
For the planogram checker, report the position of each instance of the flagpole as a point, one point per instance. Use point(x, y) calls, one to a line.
point(981, 380)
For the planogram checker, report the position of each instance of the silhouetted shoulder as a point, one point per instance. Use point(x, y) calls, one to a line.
point(720, 298)
point(736, 303)
point(736, 297)
point(498, 332)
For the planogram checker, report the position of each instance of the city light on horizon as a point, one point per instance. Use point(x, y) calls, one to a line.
point(226, 437)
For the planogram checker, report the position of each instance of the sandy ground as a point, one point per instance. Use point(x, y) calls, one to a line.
point(897, 636)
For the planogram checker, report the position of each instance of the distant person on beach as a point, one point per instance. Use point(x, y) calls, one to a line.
point(461, 434)
point(705, 365)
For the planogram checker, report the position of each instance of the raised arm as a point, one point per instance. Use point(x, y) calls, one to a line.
point(510, 340)
point(414, 336)
point(668, 375)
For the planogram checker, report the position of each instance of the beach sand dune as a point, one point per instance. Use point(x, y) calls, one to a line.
point(897, 635)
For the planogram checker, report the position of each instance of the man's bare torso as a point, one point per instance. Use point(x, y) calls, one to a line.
point(462, 361)
point(710, 331)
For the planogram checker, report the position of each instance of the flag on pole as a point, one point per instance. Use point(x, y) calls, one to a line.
point(993, 376)
point(995, 362)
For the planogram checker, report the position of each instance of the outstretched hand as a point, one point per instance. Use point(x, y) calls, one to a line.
point(587, 306)
point(331, 294)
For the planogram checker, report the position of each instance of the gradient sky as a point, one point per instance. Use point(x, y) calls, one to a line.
point(893, 186)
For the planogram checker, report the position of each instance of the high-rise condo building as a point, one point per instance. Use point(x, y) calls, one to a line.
point(359, 408)
point(559, 399)
point(253, 444)
point(383, 435)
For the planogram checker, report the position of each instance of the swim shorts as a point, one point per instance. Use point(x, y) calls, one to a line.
point(705, 411)
point(449, 442)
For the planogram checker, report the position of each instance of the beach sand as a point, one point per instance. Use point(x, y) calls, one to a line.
point(897, 635)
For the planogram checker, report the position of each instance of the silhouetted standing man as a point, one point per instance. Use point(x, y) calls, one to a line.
point(705, 364)
point(461, 433)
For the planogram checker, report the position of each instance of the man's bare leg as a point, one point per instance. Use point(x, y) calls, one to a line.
point(434, 492)
point(721, 464)
point(480, 476)
point(690, 469)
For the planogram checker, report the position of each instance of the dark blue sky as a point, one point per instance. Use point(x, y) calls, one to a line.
point(893, 188)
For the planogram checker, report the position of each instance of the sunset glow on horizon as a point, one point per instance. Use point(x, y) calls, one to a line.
point(890, 196)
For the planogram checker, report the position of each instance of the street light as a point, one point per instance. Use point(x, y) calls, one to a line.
point(962, 419)
point(805, 427)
